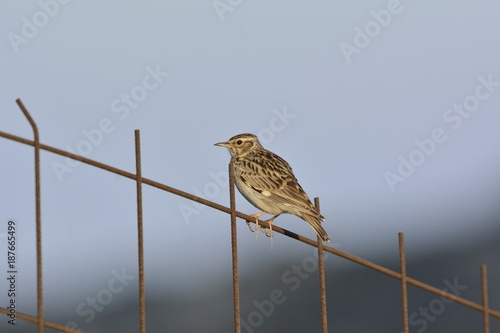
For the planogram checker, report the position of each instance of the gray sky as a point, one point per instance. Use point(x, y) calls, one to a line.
point(387, 111)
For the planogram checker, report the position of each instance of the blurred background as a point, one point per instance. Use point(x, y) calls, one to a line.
point(386, 110)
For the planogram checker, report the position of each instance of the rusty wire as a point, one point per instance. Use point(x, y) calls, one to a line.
point(246, 217)
point(404, 294)
point(48, 324)
point(322, 280)
point(232, 211)
point(234, 251)
point(140, 238)
point(38, 207)
point(484, 290)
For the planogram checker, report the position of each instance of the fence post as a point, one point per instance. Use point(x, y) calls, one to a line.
point(234, 251)
point(36, 142)
point(140, 238)
point(484, 288)
point(404, 295)
point(322, 283)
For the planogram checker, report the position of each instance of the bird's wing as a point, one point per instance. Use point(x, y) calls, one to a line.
point(273, 177)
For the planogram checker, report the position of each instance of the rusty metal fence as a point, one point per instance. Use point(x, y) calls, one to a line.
point(42, 323)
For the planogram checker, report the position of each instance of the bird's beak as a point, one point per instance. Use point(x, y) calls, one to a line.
point(222, 144)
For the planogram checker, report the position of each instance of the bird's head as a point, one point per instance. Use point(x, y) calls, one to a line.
point(241, 144)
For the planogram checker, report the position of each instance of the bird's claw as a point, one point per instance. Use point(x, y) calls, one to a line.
point(268, 232)
point(250, 226)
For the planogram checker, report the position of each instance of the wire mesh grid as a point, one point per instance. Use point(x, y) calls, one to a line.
point(42, 323)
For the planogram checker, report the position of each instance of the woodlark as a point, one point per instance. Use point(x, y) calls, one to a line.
point(267, 182)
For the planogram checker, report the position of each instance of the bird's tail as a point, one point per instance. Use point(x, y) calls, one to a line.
point(315, 222)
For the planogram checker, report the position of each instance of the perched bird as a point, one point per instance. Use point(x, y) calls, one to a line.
point(267, 182)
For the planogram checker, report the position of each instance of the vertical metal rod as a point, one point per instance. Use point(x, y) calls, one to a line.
point(142, 296)
point(484, 288)
point(404, 295)
point(322, 281)
point(39, 280)
point(234, 250)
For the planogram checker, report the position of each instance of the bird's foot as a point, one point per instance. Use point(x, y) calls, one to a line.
point(257, 226)
point(269, 231)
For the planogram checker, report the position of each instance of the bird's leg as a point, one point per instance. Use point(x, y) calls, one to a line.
point(270, 234)
point(256, 216)
point(270, 221)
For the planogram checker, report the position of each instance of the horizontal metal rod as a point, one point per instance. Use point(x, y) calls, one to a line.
point(46, 323)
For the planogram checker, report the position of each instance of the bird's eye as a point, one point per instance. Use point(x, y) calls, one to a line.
point(239, 142)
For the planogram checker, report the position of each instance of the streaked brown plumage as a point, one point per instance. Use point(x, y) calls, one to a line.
point(267, 181)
